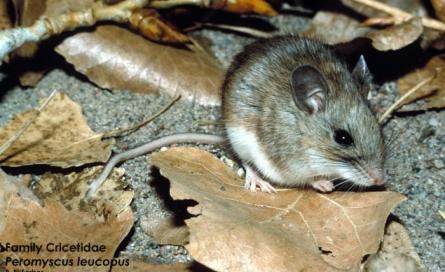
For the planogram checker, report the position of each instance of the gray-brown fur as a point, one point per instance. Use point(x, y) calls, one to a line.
point(257, 95)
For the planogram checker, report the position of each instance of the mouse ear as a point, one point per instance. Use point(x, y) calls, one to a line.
point(308, 89)
point(361, 74)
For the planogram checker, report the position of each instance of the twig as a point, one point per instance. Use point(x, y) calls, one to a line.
point(400, 14)
point(46, 27)
point(401, 99)
point(14, 138)
point(245, 30)
point(118, 132)
point(173, 3)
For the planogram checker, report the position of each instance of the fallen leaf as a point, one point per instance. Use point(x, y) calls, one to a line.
point(334, 28)
point(397, 252)
point(5, 17)
point(149, 23)
point(439, 8)
point(433, 93)
point(165, 231)
point(140, 265)
point(113, 57)
point(429, 38)
point(69, 190)
point(245, 6)
point(398, 36)
point(292, 230)
point(27, 222)
point(59, 137)
point(9, 186)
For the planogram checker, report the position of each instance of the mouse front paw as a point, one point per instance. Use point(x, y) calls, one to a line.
point(324, 186)
point(253, 180)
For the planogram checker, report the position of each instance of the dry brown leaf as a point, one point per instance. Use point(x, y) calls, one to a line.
point(398, 36)
point(149, 23)
point(9, 186)
point(115, 58)
point(59, 137)
point(141, 266)
point(292, 230)
point(429, 38)
point(245, 6)
point(433, 93)
point(165, 231)
point(439, 8)
point(334, 28)
point(397, 252)
point(5, 17)
point(70, 189)
point(28, 222)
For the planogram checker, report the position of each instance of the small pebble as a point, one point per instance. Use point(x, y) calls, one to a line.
point(438, 163)
point(433, 122)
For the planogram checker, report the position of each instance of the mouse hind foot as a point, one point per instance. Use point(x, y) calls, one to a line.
point(253, 180)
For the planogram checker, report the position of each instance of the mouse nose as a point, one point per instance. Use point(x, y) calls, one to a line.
point(376, 177)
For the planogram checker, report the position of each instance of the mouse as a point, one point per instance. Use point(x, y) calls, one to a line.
point(294, 115)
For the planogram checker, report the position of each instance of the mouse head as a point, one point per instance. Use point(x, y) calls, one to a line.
point(344, 139)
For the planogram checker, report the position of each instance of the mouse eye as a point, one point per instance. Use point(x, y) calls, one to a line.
point(343, 137)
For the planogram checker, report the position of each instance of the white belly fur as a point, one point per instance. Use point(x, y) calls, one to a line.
point(248, 148)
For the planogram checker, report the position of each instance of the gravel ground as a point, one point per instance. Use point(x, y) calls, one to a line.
point(416, 168)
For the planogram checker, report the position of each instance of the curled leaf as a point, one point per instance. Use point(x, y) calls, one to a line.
point(334, 28)
point(398, 36)
point(439, 8)
point(245, 6)
point(5, 17)
point(149, 23)
point(262, 232)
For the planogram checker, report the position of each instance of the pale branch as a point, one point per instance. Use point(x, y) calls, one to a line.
point(396, 104)
point(240, 29)
point(173, 3)
point(46, 27)
point(118, 132)
point(400, 15)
